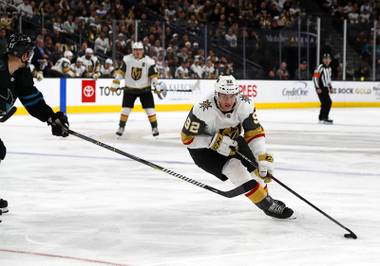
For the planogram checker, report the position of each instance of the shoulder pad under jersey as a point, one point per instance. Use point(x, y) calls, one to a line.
point(204, 109)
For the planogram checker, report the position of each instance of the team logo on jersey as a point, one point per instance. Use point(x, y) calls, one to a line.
point(232, 132)
point(136, 73)
point(205, 105)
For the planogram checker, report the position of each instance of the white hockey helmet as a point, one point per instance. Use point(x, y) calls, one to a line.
point(108, 61)
point(89, 51)
point(137, 45)
point(226, 85)
point(68, 54)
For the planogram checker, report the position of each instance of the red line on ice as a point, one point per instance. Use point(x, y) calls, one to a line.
point(61, 257)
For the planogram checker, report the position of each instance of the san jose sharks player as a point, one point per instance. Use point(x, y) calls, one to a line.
point(16, 82)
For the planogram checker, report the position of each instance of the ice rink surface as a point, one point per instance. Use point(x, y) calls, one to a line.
point(75, 203)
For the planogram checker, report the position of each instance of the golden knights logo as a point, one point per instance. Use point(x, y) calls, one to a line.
point(205, 105)
point(136, 73)
point(232, 132)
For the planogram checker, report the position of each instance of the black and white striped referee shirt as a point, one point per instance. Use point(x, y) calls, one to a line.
point(322, 77)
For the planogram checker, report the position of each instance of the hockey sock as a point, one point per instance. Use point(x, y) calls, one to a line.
point(153, 120)
point(257, 194)
point(123, 120)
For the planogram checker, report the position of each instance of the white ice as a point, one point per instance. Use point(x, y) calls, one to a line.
point(75, 203)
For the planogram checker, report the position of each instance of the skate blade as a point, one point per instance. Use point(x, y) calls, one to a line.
point(293, 217)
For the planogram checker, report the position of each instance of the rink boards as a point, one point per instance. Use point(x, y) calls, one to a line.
point(93, 96)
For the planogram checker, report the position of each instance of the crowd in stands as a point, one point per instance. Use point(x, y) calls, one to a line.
point(173, 33)
point(69, 25)
point(360, 15)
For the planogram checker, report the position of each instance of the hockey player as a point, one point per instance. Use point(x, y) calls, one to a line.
point(78, 68)
point(212, 134)
point(322, 83)
point(140, 74)
point(62, 66)
point(17, 82)
point(91, 62)
point(107, 70)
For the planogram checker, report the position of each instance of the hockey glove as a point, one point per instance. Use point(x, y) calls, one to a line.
point(3, 150)
point(96, 76)
point(223, 145)
point(160, 89)
point(39, 75)
point(265, 166)
point(59, 124)
point(115, 85)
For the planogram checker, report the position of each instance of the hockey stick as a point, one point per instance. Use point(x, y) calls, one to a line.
point(174, 90)
point(229, 194)
point(350, 235)
point(6, 116)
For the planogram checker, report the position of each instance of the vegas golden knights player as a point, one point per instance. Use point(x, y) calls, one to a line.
point(141, 76)
point(213, 132)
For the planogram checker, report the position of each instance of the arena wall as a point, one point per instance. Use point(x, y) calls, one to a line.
point(92, 96)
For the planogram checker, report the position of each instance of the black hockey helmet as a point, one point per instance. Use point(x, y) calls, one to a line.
point(18, 44)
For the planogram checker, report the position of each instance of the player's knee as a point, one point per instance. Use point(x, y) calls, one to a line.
point(150, 111)
point(126, 110)
point(236, 172)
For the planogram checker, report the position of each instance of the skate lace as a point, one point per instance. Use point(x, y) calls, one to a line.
point(276, 207)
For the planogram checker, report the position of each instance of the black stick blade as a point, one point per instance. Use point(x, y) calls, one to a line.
point(350, 235)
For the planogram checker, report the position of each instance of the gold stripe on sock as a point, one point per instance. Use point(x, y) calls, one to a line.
point(152, 118)
point(123, 117)
point(257, 194)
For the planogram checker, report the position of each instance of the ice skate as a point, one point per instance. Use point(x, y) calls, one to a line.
point(155, 132)
point(3, 206)
point(326, 121)
point(275, 208)
point(120, 131)
point(278, 210)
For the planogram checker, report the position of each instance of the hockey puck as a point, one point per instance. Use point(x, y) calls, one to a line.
point(351, 235)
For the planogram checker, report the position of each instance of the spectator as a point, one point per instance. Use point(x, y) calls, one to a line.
point(156, 49)
point(282, 72)
point(40, 58)
point(182, 72)
point(231, 38)
point(69, 26)
point(25, 9)
point(209, 70)
point(197, 69)
point(121, 44)
point(163, 68)
point(301, 72)
point(102, 44)
point(56, 53)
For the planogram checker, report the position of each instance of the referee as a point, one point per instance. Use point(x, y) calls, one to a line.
point(322, 83)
